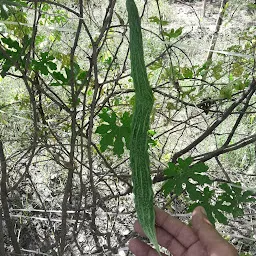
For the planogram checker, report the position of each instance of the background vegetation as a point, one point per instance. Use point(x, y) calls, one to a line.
point(66, 101)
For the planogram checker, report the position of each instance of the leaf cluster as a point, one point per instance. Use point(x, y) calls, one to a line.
point(114, 135)
point(192, 180)
point(115, 132)
point(15, 53)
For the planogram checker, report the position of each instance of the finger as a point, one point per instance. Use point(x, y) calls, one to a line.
point(140, 248)
point(180, 231)
point(173, 245)
point(209, 237)
point(172, 233)
point(164, 239)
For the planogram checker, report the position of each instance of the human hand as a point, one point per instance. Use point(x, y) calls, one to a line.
point(181, 240)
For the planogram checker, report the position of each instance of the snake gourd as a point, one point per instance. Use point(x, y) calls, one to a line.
point(139, 157)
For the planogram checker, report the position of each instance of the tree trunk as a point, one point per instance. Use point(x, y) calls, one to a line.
point(4, 199)
point(203, 8)
point(2, 250)
point(215, 34)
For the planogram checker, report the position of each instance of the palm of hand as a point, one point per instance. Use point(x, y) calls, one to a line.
point(181, 240)
point(172, 234)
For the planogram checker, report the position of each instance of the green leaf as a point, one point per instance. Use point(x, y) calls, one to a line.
point(104, 128)
point(156, 20)
point(126, 119)
point(172, 170)
point(118, 144)
point(43, 69)
point(226, 188)
point(193, 193)
point(223, 207)
point(173, 33)
point(237, 69)
point(226, 92)
point(209, 214)
point(106, 141)
point(82, 75)
point(178, 189)
point(239, 85)
point(234, 197)
point(12, 44)
point(156, 65)
point(59, 77)
point(52, 65)
point(200, 167)
point(118, 133)
point(105, 117)
point(168, 186)
point(202, 179)
point(238, 212)
point(171, 106)
point(217, 71)
point(182, 172)
point(184, 164)
point(44, 64)
point(126, 132)
point(187, 72)
point(151, 141)
point(7, 7)
point(220, 217)
point(251, 6)
point(3, 12)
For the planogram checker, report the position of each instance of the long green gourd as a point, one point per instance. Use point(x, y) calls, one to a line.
point(139, 157)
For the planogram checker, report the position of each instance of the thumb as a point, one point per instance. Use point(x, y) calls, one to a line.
point(208, 236)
